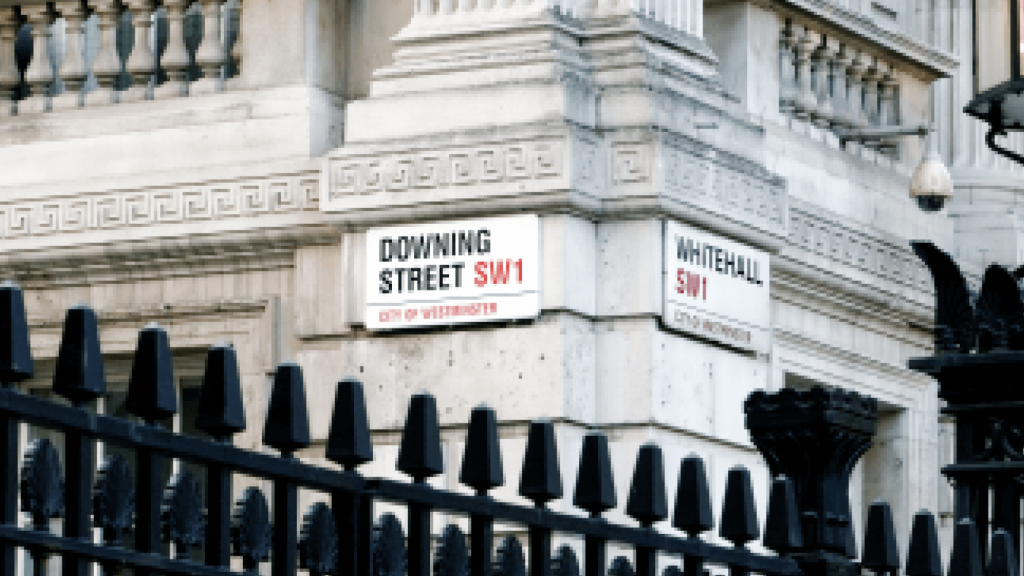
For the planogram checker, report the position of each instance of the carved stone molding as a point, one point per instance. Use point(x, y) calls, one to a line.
point(818, 231)
point(418, 170)
point(158, 206)
point(725, 183)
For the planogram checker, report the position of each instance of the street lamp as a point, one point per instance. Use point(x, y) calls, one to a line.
point(998, 86)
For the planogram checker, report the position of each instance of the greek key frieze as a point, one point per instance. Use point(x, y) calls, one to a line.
point(408, 172)
point(149, 207)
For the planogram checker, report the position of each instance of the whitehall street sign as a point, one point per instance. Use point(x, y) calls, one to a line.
point(453, 272)
point(716, 288)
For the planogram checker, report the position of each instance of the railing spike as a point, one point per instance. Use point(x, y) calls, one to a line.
point(348, 442)
point(79, 373)
point(481, 462)
point(739, 516)
point(151, 393)
point(693, 499)
point(880, 552)
point(287, 426)
point(541, 480)
point(965, 560)
point(1002, 557)
point(782, 531)
point(647, 502)
point(923, 555)
point(15, 351)
point(420, 453)
point(220, 412)
point(595, 485)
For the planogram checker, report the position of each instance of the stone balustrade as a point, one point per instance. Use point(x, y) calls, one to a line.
point(684, 15)
point(72, 65)
point(834, 85)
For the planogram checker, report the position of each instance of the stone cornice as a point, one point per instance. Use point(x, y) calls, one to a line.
point(904, 395)
point(165, 313)
point(160, 258)
point(920, 59)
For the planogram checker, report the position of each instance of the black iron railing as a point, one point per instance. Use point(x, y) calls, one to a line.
point(814, 436)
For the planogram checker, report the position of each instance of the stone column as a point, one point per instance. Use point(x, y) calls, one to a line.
point(9, 76)
point(107, 65)
point(822, 80)
point(210, 55)
point(39, 74)
point(805, 101)
point(787, 69)
point(72, 71)
point(174, 59)
point(141, 63)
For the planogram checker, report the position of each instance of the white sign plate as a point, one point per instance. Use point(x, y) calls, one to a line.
point(454, 272)
point(716, 288)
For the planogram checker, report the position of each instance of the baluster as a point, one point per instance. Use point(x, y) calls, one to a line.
point(348, 444)
point(235, 81)
point(855, 98)
point(871, 77)
point(72, 68)
point(647, 502)
point(787, 69)
point(287, 430)
point(9, 74)
point(693, 508)
point(174, 59)
point(841, 87)
point(739, 516)
point(541, 482)
point(465, 6)
point(152, 397)
point(805, 100)
point(446, 7)
point(965, 559)
point(220, 415)
point(420, 457)
point(923, 553)
point(481, 471)
point(141, 64)
point(823, 58)
point(881, 555)
point(39, 74)
point(78, 376)
point(15, 366)
point(595, 493)
point(210, 54)
point(888, 113)
point(107, 65)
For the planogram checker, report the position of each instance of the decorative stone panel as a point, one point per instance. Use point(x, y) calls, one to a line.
point(163, 205)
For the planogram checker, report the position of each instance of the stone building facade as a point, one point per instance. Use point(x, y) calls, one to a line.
point(218, 166)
